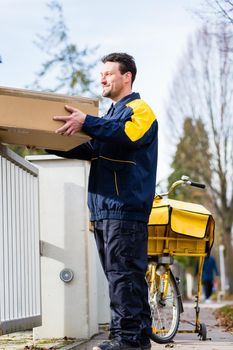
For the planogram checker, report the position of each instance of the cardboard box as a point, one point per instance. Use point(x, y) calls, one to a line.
point(26, 118)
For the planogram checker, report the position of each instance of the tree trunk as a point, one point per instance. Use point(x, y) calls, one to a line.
point(229, 260)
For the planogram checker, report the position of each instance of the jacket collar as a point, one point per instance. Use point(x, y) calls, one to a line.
point(126, 99)
point(115, 107)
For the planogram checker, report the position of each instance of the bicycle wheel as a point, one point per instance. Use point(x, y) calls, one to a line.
point(164, 304)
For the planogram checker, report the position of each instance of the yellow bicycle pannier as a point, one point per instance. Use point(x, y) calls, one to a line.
point(179, 228)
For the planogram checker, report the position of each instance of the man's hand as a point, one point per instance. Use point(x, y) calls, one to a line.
point(216, 282)
point(73, 122)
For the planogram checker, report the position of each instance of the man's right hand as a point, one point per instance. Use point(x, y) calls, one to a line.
point(73, 122)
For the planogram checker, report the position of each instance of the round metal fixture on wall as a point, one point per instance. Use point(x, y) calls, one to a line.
point(66, 275)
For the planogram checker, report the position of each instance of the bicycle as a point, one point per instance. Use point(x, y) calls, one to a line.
point(175, 228)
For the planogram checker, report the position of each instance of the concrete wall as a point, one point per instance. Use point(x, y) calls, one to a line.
point(68, 309)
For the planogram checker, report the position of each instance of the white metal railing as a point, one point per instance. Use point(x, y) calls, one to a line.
point(20, 292)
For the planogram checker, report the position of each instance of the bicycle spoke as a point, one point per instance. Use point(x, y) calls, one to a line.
point(164, 308)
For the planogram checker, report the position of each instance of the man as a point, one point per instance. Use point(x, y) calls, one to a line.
point(123, 155)
point(210, 275)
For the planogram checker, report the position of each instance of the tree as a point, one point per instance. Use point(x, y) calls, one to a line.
point(222, 10)
point(189, 160)
point(70, 67)
point(203, 89)
point(192, 158)
point(67, 69)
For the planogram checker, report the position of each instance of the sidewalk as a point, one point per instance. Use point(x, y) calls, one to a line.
point(220, 340)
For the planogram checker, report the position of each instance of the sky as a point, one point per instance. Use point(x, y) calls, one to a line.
point(155, 32)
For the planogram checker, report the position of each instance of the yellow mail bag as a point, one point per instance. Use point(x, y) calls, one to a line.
point(179, 228)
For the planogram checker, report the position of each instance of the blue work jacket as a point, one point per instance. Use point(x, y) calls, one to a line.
point(123, 155)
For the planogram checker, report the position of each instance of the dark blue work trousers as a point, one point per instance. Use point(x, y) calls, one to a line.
point(122, 247)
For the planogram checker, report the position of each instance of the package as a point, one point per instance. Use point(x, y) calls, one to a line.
point(26, 118)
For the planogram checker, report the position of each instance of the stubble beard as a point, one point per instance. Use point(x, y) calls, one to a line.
point(106, 93)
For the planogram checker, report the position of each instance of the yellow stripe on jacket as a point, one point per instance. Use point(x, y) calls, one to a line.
point(142, 119)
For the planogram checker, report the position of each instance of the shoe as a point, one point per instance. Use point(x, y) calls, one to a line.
point(115, 345)
point(208, 301)
point(145, 344)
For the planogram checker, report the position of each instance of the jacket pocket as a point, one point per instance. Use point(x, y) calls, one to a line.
point(118, 173)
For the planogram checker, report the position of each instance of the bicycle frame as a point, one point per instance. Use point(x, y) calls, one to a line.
point(166, 245)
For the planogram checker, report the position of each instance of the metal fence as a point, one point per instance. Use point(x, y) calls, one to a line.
point(20, 293)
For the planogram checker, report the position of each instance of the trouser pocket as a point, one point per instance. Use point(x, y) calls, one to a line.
point(126, 245)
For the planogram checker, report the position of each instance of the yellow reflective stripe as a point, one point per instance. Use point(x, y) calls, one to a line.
point(115, 160)
point(115, 177)
point(142, 119)
point(118, 160)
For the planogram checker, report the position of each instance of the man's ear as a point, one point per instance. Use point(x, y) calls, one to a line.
point(128, 77)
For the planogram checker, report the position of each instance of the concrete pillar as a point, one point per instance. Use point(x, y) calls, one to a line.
point(68, 309)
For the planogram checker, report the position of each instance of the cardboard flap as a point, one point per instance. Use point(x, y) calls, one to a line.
point(26, 118)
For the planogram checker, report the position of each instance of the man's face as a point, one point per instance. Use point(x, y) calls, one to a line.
point(112, 81)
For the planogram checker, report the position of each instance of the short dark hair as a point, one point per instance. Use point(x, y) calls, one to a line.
point(126, 62)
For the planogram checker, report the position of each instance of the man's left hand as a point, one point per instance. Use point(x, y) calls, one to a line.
point(73, 122)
